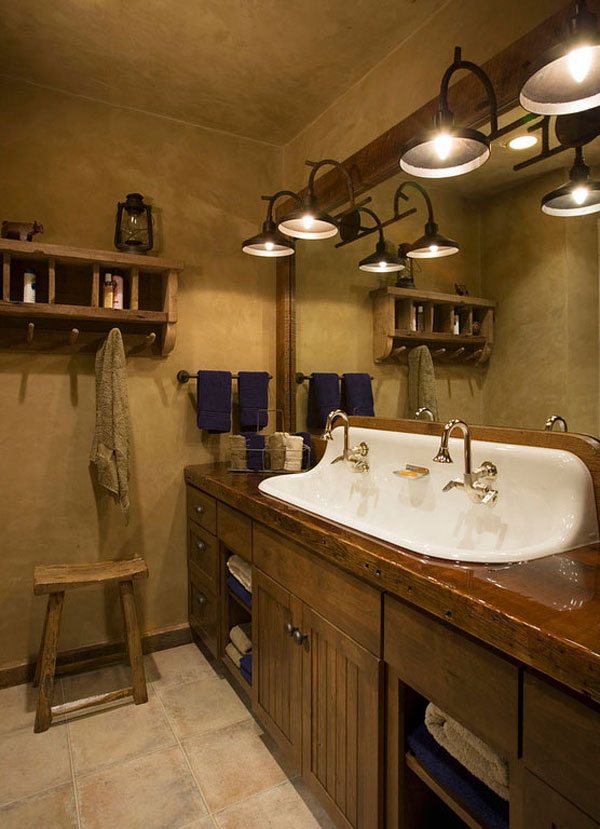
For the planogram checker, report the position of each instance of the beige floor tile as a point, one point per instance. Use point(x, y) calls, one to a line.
point(31, 763)
point(203, 706)
point(51, 810)
point(100, 681)
point(279, 808)
point(177, 666)
point(232, 763)
point(108, 735)
point(145, 793)
point(17, 707)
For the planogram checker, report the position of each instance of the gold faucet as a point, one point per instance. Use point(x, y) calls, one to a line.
point(356, 456)
point(475, 482)
point(426, 412)
point(562, 423)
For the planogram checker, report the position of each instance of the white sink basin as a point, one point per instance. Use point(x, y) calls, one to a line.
point(545, 505)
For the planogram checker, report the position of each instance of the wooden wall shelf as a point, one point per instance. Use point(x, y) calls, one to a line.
point(394, 312)
point(68, 315)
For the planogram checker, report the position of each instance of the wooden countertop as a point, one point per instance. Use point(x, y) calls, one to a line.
point(544, 613)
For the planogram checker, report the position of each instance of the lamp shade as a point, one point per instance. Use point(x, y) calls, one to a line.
point(432, 245)
point(579, 197)
point(308, 222)
point(443, 152)
point(566, 78)
point(269, 242)
point(382, 261)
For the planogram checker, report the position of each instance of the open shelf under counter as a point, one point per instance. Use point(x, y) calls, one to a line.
point(395, 323)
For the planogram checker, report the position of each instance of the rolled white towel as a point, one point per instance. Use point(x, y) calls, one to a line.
point(241, 636)
point(242, 570)
point(475, 755)
point(233, 653)
point(294, 445)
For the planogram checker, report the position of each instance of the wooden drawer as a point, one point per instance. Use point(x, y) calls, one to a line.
point(546, 809)
point(203, 552)
point(202, 509)
point(204, 612)
point(344, 600)
point(561, 743)
point(235, 530)
point(466, 680)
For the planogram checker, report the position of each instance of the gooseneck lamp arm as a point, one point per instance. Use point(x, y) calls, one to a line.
point(399, 194)
point(272, 199)
point(445, 117)
point(316, 166)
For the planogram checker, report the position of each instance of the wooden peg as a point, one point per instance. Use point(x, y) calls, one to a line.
point(150, 340)
point(475, 355)
point(398, 351)
point(458, 353)
point(73, 336)
point(439, 352)
point(30, 331)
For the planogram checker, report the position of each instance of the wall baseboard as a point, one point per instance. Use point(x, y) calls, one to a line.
point(94, 656)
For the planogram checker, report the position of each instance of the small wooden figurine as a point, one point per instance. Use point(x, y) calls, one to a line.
point(23, 231)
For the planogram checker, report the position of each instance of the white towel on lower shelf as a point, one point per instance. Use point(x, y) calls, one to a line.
point(475, 755)
point(242, 570)
point(294, 445)
point(233, 653)
point(241, 637)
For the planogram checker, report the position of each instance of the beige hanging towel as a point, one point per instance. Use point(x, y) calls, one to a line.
point(421, 382)
point(110, 447)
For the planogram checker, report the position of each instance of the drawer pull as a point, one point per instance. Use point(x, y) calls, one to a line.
point(289, 629)
point(201, 546)
point(201, 599)
point(199, 509)
point(299, 637)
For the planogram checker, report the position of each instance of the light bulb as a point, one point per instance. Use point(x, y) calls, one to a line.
point(269, 245)
point(443, 145)
point(580, 62)
point(522, 142)
point(307, 221)
point(382, 265)
point(580, 194)
point(433, 248)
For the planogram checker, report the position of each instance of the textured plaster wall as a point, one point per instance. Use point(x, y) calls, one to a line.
point(66, 162)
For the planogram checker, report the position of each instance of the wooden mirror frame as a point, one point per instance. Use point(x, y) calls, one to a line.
point(378, 161)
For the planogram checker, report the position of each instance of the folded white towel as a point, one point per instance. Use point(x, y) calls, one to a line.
point(241, 636)
point(233, 653)
point(475, 755)
point(294, 445)
point(242, 570)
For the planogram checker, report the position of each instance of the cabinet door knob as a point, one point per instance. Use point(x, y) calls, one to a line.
point(199, 509)
point(201, 546)
point(299, 637)
point(201, 599)
point(289, 629)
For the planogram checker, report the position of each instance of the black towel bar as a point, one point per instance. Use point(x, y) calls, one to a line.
point(184, 376)
point(301, 377)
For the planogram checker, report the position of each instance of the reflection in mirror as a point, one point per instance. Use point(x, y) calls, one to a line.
point(541, 271)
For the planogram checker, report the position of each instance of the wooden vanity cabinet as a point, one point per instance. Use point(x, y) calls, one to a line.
point(203, 568)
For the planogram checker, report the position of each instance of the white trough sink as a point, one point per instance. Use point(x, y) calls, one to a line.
point(545, 504)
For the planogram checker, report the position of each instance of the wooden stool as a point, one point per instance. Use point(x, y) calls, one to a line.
point(55, 580)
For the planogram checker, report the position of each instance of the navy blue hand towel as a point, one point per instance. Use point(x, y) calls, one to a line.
point(214, 401)
point(255, 454)
point(357, 395)
point(484, 804)
point(306, 449)
point(323, 397)
point(239, 590)
point(253, 389)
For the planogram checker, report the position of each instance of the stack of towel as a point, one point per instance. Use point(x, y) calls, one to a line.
point(239, 649)
point(278, 452)
point(239, 579)
point(215, 402)
point(465, 765)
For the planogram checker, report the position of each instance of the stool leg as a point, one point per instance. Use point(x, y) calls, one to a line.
point(38, 664)
point(43, 715)
point(134, 642)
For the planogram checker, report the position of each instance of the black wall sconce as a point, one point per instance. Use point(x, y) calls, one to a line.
point(133, 227)
point(382, 260)
point(580, 196)
point(432, 244)
point(270, 242)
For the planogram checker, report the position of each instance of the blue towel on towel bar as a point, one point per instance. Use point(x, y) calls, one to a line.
point(357, 395)
point(240, 591)
point(214, 401)
point(484, 804)
point(253, 390)
point(323, 397)
point(255, 451)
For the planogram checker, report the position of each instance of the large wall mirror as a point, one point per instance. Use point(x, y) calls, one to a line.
point(542, 272)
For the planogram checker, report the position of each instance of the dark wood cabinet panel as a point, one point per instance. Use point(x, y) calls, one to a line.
point(277, 665)
point(202, 509)
point(545, 808)
point(234, 530)
point(342, 738)
point(203, 610)
point(203, 552)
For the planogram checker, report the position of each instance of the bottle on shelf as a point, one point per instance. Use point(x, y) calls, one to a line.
point(109, 291)
point(29, 285)
point(456, 322)
point(117, 278)
point(420, 318)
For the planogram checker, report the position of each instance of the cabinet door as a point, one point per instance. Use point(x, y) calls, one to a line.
point(277, 665)
point(341, 723)
point(546, 809)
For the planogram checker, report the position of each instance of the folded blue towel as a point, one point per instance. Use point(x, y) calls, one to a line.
point(214, 401)
point(357, 395)
point(240, 591)
point(484, 804)
point(306, 449)
point(246, 665)
point(253, 389)
point(247, 676)
point(323, 397)
point(255, 451)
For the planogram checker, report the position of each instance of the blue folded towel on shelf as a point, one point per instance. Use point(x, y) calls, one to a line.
point(484, 804)
point(306, 449)
point(246, 667)
point(214, 401)
point(246, 675)
point(323, 397)
point(357, 395)
point(253, 390)
point(239, 590)
point(255, 451)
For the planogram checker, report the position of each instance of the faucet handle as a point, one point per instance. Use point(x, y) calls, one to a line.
point(456, 482)
point(486, 470)
point(362, 449)
point(490, 497)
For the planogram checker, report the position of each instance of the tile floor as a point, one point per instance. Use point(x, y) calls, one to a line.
point(191, 757)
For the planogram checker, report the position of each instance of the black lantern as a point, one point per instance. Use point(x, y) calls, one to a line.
point(133, 230)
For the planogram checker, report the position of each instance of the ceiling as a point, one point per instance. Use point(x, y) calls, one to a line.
point(257, 68)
